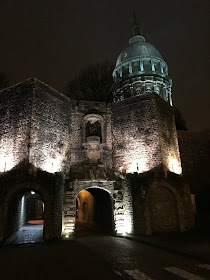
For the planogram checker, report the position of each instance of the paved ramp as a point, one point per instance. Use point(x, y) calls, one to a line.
point(27, 234)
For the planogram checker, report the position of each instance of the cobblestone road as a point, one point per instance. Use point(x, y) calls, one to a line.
point(143, 262)
point(58, 260)
point(127, 259)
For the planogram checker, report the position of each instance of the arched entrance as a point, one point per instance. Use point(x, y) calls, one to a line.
point(94, 213)
point(25, 218)
point(163, 210)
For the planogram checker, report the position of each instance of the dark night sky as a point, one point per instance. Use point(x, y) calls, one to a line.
point(54, 40)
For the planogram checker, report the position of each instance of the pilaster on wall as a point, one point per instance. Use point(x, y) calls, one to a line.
point(69, 211)
point(118, 212)
point(123, 209)
point(128, 207)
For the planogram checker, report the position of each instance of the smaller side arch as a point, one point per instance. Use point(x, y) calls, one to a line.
point(163, 209)
point(21, 188)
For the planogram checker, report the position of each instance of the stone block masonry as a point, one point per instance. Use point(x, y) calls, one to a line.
point(35, 126)
point(59, 147)
point(168, 136)
point(135, 134)
point(144, 135)
point(50, 129)
point(15, 115)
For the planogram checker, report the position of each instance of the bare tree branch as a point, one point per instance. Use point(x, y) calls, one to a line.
point(4, 81)
point(94, 84)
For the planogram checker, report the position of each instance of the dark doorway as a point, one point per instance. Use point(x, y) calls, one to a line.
point(25, 218)
point(94, 212)
point(202, 200)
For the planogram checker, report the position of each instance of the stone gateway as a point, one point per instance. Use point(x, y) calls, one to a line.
point(95, 167)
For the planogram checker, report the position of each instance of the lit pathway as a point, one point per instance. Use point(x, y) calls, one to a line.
point(27, 234)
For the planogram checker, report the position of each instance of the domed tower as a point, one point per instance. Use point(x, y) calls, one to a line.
point(140, 69)
point(145, 144)
point(143, 123)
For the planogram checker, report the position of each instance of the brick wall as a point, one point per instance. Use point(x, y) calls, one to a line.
point(135, 134)
point(195, 153)
point(144, 135)
point(15, 115)
point(168, 136)
point(50, 129)
point(35, 124)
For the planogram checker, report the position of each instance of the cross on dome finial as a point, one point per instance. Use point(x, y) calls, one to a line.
point(134, 18)
point(136, 34)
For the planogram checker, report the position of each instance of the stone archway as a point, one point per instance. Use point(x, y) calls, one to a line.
point(71, 204)
point(10, 203)
point(25, 217)
point(94, 212)
point(163, 210)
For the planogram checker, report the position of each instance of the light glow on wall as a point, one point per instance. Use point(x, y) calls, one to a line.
point(174, 165)
point(119, 223)
point(68, 231)
point(51, 164)
point(6, 162)
point(119, 229)
point(127, 224)
point(139, 166)
point(11, 151)
point(123, 224)
point(22, 211)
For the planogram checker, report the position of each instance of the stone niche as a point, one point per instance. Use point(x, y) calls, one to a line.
point(93, 136)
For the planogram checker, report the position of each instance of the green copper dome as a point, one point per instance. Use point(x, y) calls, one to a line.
point(138, 49)
point(140, 69)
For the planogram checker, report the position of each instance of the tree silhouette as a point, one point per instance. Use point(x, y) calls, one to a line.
point(179, 120)
point(93, 84)
point(4, 82)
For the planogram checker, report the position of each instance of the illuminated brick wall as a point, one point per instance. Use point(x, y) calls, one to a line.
point(144, 135)
point(15, 115)
point(50, 129)
point(136, 146)
point(168, 136)
point(47, 128)
point(35, 125)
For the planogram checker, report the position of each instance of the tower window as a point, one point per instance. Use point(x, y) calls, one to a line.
point(93, 125)
point(93, 129)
